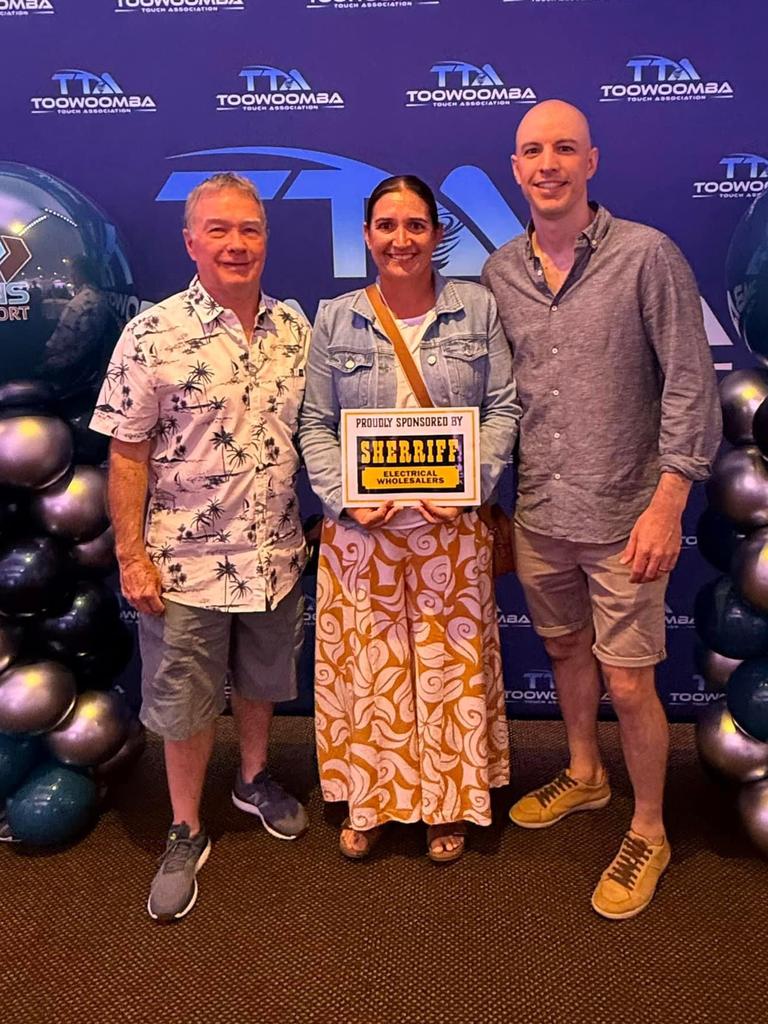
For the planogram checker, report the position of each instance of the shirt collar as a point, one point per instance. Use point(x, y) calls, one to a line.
point(592, 235)
point(208, 309)
point(447, 299)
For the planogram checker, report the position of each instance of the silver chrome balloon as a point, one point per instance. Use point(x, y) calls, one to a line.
point(94, 731)
point(715, 668)
point(749, 569)
point(753, 807)
point(738, 487)
point(10, 645)
point(35, 697)
point(741, 393)
point(97, 555)
point(724, 747)
point(75, 509)
point(35, 451)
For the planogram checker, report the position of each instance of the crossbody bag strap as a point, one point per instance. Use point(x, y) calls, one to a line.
point(410, 369)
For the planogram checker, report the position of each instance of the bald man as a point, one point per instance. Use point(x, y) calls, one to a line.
point(620, 416)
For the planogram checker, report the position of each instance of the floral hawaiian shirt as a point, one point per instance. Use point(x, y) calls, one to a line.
point(222, 522)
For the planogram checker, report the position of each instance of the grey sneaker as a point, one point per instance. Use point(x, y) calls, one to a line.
point(174, 887)
point(281, 814)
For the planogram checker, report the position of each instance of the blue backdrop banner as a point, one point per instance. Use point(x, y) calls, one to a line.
point(132, 102)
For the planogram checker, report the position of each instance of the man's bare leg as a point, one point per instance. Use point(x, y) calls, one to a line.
point(579, 686)
point(253, 719)
point(186, 762)
point(644, 734)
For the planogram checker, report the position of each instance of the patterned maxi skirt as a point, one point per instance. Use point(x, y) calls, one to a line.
point(409, 696)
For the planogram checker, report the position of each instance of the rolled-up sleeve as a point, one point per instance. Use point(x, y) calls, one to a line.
point(500, 411)
point(691, 423)
point(319, 425)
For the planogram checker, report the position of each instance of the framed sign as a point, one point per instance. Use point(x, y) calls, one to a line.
point(409, 454)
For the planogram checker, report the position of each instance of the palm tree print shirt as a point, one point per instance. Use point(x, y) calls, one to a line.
point(222, 522)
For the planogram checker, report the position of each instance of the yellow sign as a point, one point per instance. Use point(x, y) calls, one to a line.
point(406, 455)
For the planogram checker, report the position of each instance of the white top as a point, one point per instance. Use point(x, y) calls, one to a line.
point(412, 329)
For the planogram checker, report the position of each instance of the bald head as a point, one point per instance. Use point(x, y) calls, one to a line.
point(553, 160)
point(553, 117)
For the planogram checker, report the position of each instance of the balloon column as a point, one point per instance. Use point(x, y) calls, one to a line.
point(731, 612)
point(62, 729)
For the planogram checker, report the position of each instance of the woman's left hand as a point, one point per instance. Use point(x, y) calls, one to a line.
point(438, 513)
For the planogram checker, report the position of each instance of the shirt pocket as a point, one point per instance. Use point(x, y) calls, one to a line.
point(352, 376)
point(466, 360)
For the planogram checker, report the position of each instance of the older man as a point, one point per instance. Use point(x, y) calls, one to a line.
point(620, 416)
point(201, 400)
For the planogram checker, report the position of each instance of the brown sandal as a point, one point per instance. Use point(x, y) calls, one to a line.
point(372, 836)
point(451, 830)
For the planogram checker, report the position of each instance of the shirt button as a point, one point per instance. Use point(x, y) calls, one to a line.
point(432, 360)
point(555, 392)
point(350, 364)
point(554, 309)
point(557, 433)
point(554, 351)
point(557, 476)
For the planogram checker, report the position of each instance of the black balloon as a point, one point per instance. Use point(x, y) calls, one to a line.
point(714, 668)
point(10, 644)
point(747, 697)
point(75, 508)
point(22, 397)
point(35, 451)
point(760, 427)
point(97, 557)
point(127, 755)
point(35, 576)
point(85, 625)
point(717, 539)
point(727, 624)
point(99, 667)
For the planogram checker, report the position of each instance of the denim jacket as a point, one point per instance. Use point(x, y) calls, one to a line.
point(464, 359)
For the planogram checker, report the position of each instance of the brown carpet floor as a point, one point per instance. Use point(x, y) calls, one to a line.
point(290, 932)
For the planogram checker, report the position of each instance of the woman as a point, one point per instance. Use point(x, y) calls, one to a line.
point(408, 688)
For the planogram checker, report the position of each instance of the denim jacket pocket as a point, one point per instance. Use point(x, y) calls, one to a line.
point(352, 375)
point(466, 360)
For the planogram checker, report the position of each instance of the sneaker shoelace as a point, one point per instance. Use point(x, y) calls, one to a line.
point(177, 853)
point(632, 856)
point(562, 782)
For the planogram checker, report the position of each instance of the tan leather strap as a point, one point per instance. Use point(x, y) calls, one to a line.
point(411, 371)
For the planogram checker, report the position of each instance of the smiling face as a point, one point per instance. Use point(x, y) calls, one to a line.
point(227, 239)
point(402, 237)
point(554, 159)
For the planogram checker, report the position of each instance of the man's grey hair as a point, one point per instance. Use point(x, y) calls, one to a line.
point(217, 183)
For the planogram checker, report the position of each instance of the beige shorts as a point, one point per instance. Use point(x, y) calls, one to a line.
point(569, 585)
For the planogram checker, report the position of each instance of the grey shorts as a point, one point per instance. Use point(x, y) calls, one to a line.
point(568, 585)
point(187, 652)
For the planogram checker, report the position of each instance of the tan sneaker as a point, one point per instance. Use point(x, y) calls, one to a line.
point(627, 885)
point(560, 797)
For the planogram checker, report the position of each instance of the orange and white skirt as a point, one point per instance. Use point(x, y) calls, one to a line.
point(409, 696)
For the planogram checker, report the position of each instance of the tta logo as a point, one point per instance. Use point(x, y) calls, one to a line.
point(14, 296)
point(177, 6)
point(675, 621)
point(700, 695)
point(270, 88)
point(662, 79)
point(461, 84)
point(84, 92)
point(22, 8)
point(476, 217)
point(744, 175)
point(356, 5)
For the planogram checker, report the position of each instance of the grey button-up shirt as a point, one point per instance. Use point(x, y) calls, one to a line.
point(614, 375)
